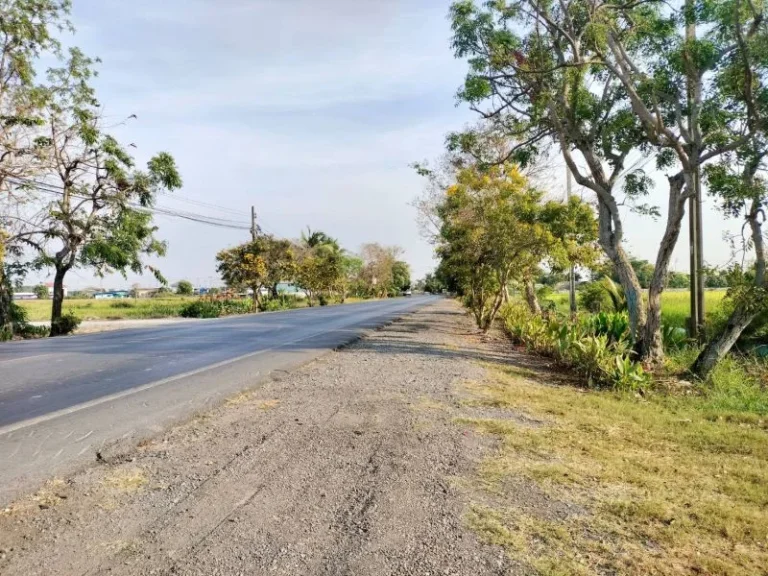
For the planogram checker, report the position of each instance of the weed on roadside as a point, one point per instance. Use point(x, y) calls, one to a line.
point(666, 489)
point(125, 480)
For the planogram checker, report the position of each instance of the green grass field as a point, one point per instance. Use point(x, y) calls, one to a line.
point(125, 309)
point(675, 305)
point(89, 309)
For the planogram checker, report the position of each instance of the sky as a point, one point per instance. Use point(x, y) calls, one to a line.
point(311, 111)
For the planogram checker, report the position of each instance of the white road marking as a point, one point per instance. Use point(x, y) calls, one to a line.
point(24, 358)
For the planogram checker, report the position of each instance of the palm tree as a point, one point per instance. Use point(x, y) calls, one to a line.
point(314, 239)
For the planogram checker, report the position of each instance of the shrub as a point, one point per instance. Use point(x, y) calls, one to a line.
point(597, 348)
point(603, 296)
point(202, 309)
point(216, 308)
point(613, 325)
point(67, 324)
point(30, 331)
point(122, 304)
point(21, 326)
point(282, 302)
point(594, 298)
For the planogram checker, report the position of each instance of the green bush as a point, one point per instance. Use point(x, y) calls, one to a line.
point(21, 326)
point(216, 308)
point(613, 325)
point(598, 349)
point(202, 309)
point(122, 304)
point(30, 331)
point(594, 298)
point(67, 324)
point(602, 296)
point(282, 302)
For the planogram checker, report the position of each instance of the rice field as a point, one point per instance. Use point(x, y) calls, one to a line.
point(124, 309)
point(675, 304)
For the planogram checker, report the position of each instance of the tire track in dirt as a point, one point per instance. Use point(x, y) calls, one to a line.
point(343, 467)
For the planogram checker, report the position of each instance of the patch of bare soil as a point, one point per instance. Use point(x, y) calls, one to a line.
point(350, 465)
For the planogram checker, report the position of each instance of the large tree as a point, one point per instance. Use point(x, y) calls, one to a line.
point(379, 267)
point(496, 229)
point(99, 216)
point(601, 80)
point(261, 263)
point(27, 33)
point(739, 181)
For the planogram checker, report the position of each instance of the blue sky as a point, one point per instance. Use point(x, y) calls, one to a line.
point(310, 110)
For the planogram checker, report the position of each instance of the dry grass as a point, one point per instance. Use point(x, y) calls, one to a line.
point(267, 404)
point(125, 480)
point(239, 399)
point(664, 489)
point(51, 494)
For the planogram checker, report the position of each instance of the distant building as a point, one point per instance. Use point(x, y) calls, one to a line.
point(145, 292)
point(113, 295)
point(49, 285)
point(25, 296)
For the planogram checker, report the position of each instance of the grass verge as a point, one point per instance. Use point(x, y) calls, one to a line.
point(661, 486)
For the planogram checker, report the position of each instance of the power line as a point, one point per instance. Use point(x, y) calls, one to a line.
point(164, 211)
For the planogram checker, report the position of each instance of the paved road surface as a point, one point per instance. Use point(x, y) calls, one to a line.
point(62, 400)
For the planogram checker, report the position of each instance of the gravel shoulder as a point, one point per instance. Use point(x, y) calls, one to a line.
point(352, 464)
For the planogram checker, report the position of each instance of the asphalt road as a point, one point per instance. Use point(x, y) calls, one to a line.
point(62, 400)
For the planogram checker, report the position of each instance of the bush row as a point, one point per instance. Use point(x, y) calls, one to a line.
point(216, 308)
point(597, 347)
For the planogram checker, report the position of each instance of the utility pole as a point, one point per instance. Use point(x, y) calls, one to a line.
point(572, 271)
point(696, 240)
point(254, 228)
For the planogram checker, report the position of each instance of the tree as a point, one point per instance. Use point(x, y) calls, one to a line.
point(496, 229)
point(603, 79)
point(678, 280)
point(432, 284)
point(321, 269)
point(352, 270)
point(100, 216)
point(739, 179)
point(185, 287)
point(401, 276)
point(281, 263)
point(41, 291)
point(378, 267)
point(540, 88)
point(244, 266)
point(261, 263)
point(27, 29)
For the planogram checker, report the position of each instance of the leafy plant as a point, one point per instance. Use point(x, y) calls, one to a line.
point(66, 324)
point(597, 348)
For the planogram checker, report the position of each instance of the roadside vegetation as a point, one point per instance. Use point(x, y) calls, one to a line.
point(656, 436)
point(655, 486)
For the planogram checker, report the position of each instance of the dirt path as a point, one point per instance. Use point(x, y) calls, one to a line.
point(351, 465)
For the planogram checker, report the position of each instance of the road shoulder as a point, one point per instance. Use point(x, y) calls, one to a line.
point(351, 464)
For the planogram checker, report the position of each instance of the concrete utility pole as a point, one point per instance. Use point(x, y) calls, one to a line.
point(696, 238)
point(254, 229)
point(572, 271)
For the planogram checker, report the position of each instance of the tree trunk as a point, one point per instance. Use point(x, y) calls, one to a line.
point(531, 298)
point(611, 245)
point(744, 314)
point(653, 345)
point(6, 295)
point(58, 300)
point(718, 347)
point(6, 300)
